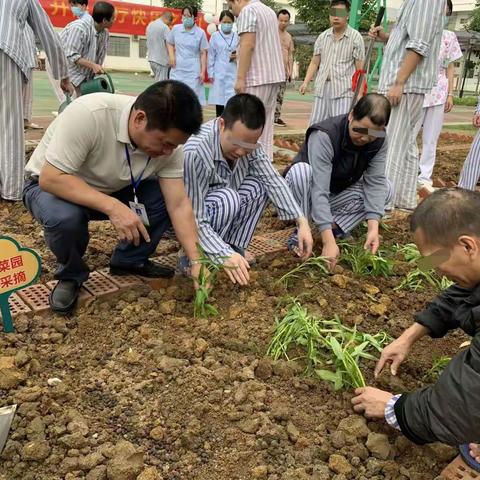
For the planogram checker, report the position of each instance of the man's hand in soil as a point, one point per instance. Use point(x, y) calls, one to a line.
point(127, 224)
point(237, 269)
point(330, 249)
point(195, 273)
point(398, 350)
point(475, 451)
point(371, 402)
point(305, 239)
point(372, 241)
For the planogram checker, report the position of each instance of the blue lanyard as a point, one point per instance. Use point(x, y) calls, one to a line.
point(135, 183)
point(231, 40)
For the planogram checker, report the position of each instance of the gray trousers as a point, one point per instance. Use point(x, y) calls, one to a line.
point(402, 155)
point(12, 145)
point(160, 72)
point(326, 107)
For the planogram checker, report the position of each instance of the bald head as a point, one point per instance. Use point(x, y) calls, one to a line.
point(375, 107)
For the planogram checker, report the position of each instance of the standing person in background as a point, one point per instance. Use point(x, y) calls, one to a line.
point(438, 102)
point(187, 50)
point(157, 32)
point(222, 62)
point(288, 48)
point(471, 168)
point(338, 52)
point(409, 72)
point(15, 71)
point(260, 68)
point(28, 86)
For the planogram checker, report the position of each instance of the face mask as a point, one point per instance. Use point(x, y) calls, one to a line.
point(187, 22)
point(77, 11)
point(226, 27)
point(445, 21)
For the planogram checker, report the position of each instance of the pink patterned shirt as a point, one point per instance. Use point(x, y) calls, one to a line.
point(449, 52)
point(267, 61)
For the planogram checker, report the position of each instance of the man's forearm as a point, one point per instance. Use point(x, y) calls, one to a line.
point(85, 63)
point(410, 62)
point(312, 70)
point(185, 227)
point(414, 333)
point(245, 58)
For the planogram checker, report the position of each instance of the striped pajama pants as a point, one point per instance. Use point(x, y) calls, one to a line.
point(347, 207)
point(27, 100)
point(402, 155)
point(326, 107)
point(234, 214)
point(268, 95)
point(12, 145)
point(471, 168)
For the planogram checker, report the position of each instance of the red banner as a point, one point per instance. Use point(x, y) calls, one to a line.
point(131, 18)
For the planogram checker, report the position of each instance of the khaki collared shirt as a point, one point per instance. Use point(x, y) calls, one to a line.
point(88, 140)
point(337, 61)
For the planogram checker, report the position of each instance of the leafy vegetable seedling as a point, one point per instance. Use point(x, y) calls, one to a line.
point(314, 267)
point(363, 262)
point(438, 366)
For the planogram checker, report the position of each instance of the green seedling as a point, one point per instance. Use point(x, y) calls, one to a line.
point(438, 366)
point(207, 278)
point(314, 267)
point(332, 350)
point(365, 263)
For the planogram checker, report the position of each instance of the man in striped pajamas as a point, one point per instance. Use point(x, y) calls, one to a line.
point(338, 52)
point(338, 177)
point(229, 179)
point(157, 32)
point(15, 71)
point(260, 60)
point(471, 168)
point(409, 71)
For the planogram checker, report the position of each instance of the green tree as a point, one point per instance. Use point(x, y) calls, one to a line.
point(183, 3)
point(474, 23)
point(314, 13)
point(272, 4)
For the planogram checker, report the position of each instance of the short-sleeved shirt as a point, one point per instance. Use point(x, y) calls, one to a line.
point(267, 60)
point(450, 51)
point(81, 40)
point(337, 61)
point(188, 45)
point(88, 140)
point(157, 32)
point(419, 28)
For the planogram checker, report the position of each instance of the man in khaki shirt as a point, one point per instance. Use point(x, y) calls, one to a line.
point(117, 158)
point(288, 48)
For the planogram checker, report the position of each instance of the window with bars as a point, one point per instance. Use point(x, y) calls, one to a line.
point(142, 47)
point(119, 46)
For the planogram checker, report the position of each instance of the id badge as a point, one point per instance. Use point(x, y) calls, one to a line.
point(139, 210)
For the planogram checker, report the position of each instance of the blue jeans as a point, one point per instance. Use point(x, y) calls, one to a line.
point(65, 226)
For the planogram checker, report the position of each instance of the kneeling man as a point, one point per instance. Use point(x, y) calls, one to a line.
point(338, 177)
point(230, 178)
point(117, 158)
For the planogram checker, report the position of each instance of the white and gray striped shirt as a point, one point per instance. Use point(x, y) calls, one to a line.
point(337, 61)
point(81, 40)
point(267, 60)
point(419, 28)
point(157, 32)
point(14, 15)
point(205, 169)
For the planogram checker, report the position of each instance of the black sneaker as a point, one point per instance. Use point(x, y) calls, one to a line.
point(64, 296)
point(148, 269)
point(280, 123)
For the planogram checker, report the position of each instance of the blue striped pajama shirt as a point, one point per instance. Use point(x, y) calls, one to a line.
point(471, 168)
point(228, 203)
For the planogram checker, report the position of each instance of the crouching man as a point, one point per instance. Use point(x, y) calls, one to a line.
point(230, 178)
point(338, 177)
point(446, 229)
point(117, 158)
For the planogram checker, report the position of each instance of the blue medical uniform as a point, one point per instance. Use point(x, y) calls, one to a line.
point(188, 46)
point(220, 68)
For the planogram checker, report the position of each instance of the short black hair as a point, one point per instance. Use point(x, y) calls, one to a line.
point(103, 11)
point(170, 104)
point(227, 13)
point(190, 10)
point(283, 11)
point(79, 2)
point(247, 108)
point(334, 3)
point(375, 107)
point(446, 215)
point(168, 15)
point(449, 8)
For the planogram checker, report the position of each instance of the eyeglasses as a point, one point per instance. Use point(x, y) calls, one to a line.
point(370, 132)
point(433, 260)
point(245, 145)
